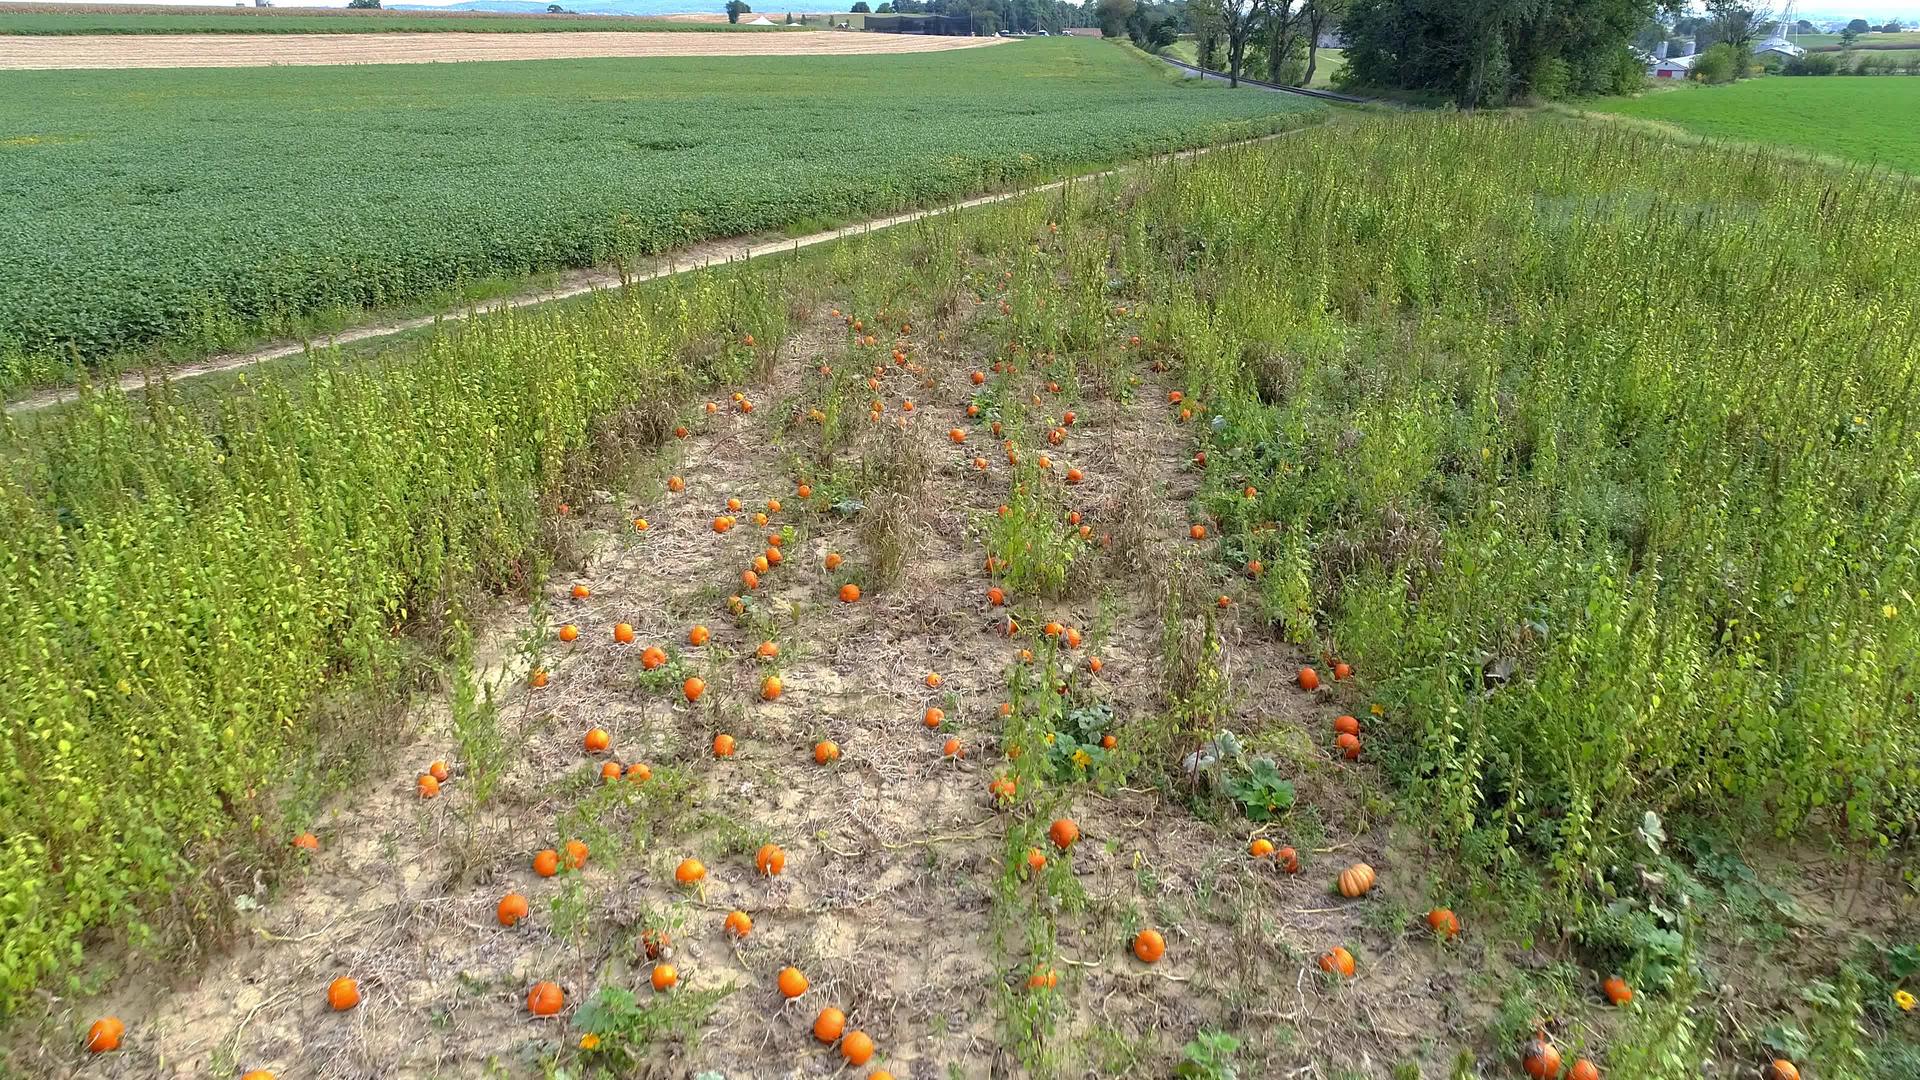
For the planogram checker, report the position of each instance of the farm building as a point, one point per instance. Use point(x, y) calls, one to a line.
point(1780, 47)
point(1672, 67)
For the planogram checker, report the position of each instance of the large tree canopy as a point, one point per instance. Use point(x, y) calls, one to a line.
point(1490, 52)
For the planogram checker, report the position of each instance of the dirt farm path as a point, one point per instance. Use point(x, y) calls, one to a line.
point(269, 50)
point(897, 900)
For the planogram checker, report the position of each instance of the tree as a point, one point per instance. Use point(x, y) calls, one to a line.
point(1859, 26)
point(1892, 27)
point(1283, 21)
point(1322, 15)
point(737, 8)
point(1491, 52)
point(556, 9)
point(1113, 16)
point(1722, 63)
point(1849, 36)
point(1203, 19)
point(1737, 22)
point(883, 9)
point(363, 5)
point(1802, 26)
point(1241, 18)
point(860, 8)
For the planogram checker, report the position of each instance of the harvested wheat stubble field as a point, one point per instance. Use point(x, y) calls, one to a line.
point(1063, 636)
point(173, 213)
point(51, 53)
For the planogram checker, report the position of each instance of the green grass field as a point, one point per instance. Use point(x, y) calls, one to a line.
point(203, 208)
point(1854, 118)
point(1867, 41)
point(17, 19)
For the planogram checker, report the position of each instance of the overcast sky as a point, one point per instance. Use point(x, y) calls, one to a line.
point(1821, 9)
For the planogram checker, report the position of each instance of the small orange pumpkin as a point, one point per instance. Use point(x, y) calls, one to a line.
point(105, 1035)
point(511, 909)
point(689, 871)
point(1541, 1059)
point(576, 854)
point(933, 717)
point(306, 841)
point(1616, 989)
point(545, 999)
point(770, 860)
point(1338, 961)
point(569, 632)
point(1149, 946)
point(1288, 859)
point(739, 924)
point(1443, 922)
point(849, 593)
point(546, 862)
point(1356, 880)
point(1346, 725)
point(597, 740)
point(1308, 679)
point(857, 1048)
point(1063, 832)
point(664, 978)
point(723, 745)
point(1260, 848)
point(770, 688)
point(1583, 1070)
point(1781, 1069)
point(343, 994)
point(693, 687)
point(623, 633)
point(826, 752)
point(792, 983)
point(829, 1025)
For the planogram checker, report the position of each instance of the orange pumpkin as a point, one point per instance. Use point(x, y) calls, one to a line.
point(580, 591)
point(1043, 978)
point(953, 750)
point(770, 860)
point(1443, 922)
point(343, 994)
point(1342, 670)
point(1003, 788)
point(693, 687)
point(569, 632)
point(306, 841)
point(833, 561)
point(664, 978)
point(849, 593)
point(792, 983)
point(689, 871)
point(623, 633)
point(545, 999)
point(1356, 880)
point(933, 717)
point(1288, 859)
point(829, 1025)
point(1063, 832)
point(826, 752)
point(1149, 946)
point(610, 770)
point(1349, 746)
point(1337, 962)
point(538, 678)
point(739, 924)
point(546, 862)
point(598, 740)
point(1198, 532)
point(1616, 989)
point(857, 1048)
point(1346, 725)
point(1780, 1069)
point(1541, 1059)
point(1308, 679)
point(439, 771)
point(770, 688)
point(105, 1035)
point(1583, 1070)
point(576, 854)
point(1260, 848)
point(427, 785)
point(723, 745)
point(639, 773)
point(511, 909)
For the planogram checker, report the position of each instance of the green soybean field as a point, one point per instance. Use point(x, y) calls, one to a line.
point(194, 210)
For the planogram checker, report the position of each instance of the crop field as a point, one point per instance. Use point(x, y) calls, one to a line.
point(199, 209)
point(41, 19)
point(1904, 39)
point(1328, 65)
point(1371, 604)
point(1847, 117)
point(276, 50)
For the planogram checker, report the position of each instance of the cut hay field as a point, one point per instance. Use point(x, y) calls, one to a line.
point(53, 20)
point(193, 210)
point(1423, 596)
point(1853, 118)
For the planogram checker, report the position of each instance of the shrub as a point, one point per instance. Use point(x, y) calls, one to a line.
point(1720, 63)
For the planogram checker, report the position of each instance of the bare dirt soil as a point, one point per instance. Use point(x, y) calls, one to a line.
point(261, 50)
